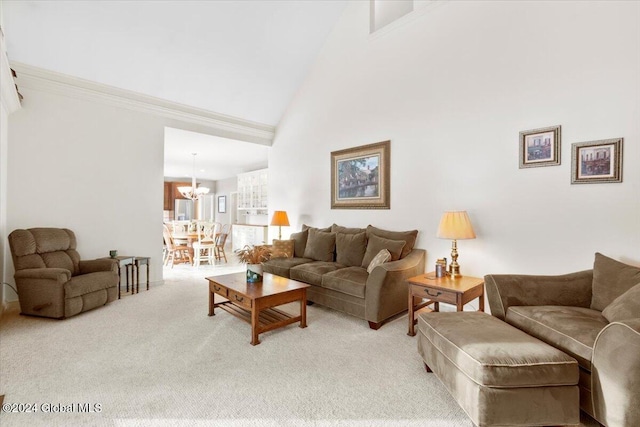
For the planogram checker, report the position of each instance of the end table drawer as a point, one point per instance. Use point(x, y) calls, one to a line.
point(433, 294)
point(218, 289)
point(239, 299)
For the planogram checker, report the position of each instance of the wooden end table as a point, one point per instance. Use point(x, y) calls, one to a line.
point(255, 302)
point(458, 291)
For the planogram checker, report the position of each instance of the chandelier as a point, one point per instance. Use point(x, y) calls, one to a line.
point(193, 192)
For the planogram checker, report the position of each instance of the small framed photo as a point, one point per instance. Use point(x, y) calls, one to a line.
point(540, 147)
point(596, 161)
point(222, 204)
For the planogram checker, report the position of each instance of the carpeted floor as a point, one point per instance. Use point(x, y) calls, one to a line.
point(156, 358)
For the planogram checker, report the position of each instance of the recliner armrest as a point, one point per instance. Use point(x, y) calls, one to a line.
point(615, 369)
point(505, 290)
point(60, 275)
point(95, 265)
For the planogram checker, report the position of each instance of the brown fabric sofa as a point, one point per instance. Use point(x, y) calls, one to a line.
point(593, 316)
point(334, 260)
point(51, 279)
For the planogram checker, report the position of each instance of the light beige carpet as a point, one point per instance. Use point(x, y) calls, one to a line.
point(156, 358)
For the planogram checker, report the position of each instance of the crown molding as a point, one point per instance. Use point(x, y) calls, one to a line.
point(36, 78)
point(8, 91)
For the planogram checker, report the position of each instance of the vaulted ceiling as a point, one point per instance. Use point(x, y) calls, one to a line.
point(240, 58)
point(244, 59)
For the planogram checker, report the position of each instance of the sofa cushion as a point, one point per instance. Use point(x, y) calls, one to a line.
point(382, 257)
point(281, 266)
point(312, 272)
point(335, 228)
point(493, 354)
point(408, 236)
point(571, 329)
point(376, 244)
point(625, 307)
point(300, 242)
point(349, 280)
point(282, 248)
point(350, 248)
point(320, 245)
point(611, 279)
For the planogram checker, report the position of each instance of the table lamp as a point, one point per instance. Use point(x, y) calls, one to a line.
point(455, 225)
point(280, 219)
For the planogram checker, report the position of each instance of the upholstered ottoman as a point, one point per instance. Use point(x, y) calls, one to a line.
point(498, 374)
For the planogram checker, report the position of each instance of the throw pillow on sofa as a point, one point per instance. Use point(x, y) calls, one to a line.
point(611, 279)
point(376, 244)
point(350, 248)
point(282, 248)
point(408, 236)
point(308, 227)
point(335, 228)
point(300, 242)
point(382, 257)
point(320, 245)
point(626, 306)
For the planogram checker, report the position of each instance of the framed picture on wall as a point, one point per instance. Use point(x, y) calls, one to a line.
point(540, 147)
point(222, 204)
point(596, 161)
point(360, 177)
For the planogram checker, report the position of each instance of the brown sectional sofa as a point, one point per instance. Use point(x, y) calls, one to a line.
point(334, 260)
point(592, 316)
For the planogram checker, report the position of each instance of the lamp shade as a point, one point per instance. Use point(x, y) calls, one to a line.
point(280, 218)
point(456, 226)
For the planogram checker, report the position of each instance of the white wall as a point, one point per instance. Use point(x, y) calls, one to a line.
point(93, 168)
point(452, 86)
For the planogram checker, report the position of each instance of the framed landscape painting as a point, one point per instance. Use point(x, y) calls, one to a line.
point(540, 147)
point(360, 177)
point(596, 161)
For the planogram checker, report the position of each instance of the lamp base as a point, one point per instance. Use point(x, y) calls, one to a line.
point(454, 271)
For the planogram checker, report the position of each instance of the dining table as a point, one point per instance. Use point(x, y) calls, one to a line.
point(190, 237)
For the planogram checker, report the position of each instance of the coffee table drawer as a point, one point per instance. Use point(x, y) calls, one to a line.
point(433, 294)
point(239, 299)
point(218, 289)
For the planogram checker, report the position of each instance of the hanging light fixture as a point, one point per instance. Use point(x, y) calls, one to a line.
point(193, 192)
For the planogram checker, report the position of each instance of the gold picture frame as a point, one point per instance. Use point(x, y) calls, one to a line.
point(595, 162)
point(540, 147)
point(360, 177)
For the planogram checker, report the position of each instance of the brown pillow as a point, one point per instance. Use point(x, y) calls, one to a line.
point(326, 229)
point(408, 236)
point(376, 244)
point(320, 245)
point(626, 306)
point(282, 248)
point(300, 242)
point(611, 279)
point(350, 248)
point(340, 229)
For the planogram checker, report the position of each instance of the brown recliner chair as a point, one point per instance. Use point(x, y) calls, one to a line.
point(51, 279)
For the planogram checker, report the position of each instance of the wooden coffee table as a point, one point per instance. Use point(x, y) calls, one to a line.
point(255, 302)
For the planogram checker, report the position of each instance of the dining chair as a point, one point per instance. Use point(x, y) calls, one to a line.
point(206, 245)
point(221, 239)
point(176, 254)
point(179, 228)
point(226, 229)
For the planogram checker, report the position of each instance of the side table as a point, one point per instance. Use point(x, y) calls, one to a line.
point(127, 262)
point(137, 262)
point(458, 291)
